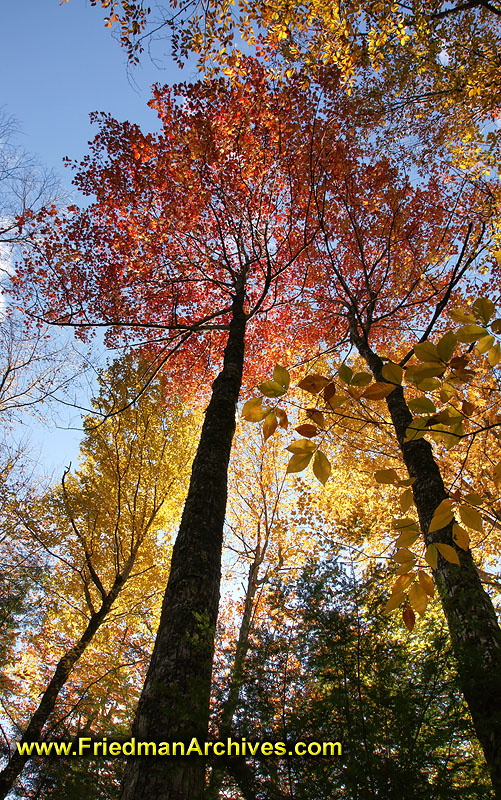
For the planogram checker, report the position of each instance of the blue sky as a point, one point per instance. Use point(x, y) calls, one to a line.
point(58, 62)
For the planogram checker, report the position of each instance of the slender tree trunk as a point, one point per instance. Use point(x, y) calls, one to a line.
point(472, 621)
point(174, 704)
point(61, 674)
point(237, 673)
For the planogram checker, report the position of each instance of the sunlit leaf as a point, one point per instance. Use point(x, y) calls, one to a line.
point(448, 553)
point(298, 462)
point(321, 467)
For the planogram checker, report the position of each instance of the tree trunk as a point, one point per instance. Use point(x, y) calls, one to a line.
point(61, 674)
point(472, 621)
point(174, 704)
point(237, 673)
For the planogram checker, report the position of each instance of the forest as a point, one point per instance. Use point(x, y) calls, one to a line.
point(284, 525)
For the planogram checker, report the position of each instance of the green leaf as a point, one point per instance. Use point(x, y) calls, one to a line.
point(418, 372)
point(426, 351)
point(422, 405)
point(298, 462)
point(361, 379)
point(448, 553)
point(429, 384)
point(471, 333)
point(484, 344)
point(446, 346)
point(345, 373)
point(474, 499)
point(393, 373)
point(321, 467)
point(302, 446)
point(484, 309)
point(281, 376)
point(272, 389)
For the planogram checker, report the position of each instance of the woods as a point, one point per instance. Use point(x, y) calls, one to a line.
point(284, 524)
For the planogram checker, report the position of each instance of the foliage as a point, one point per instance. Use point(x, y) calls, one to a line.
point(326, 665)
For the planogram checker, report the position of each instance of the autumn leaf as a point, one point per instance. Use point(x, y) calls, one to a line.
point(298, 462)
point(321, 467)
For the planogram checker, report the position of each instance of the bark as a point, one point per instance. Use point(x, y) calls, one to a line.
point(61, 674)
point(471, 618)
point(237, 675)
point(174, 704)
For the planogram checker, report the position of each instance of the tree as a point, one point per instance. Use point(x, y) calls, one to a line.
point(100, 530)
point(406, 275)
point(327, 663)
point(195, 233)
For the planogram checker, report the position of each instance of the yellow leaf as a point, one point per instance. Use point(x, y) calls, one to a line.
point(426, 582)
point(470, 517)
point(484, 344)
point(281, 376)
point(386, 476)
point(406, 539)
point(252, 410)
point(494, 355)
point(378, 391)
point(404, 568)
point(448, 553)
point(406, 500)
point(313, 383)
point(441, 516)
point(471, 333)
point(393, 603)
point(446, 346)
point(418, 598)
point(270, 425)
point(426, 351)
point(402, 583)
point(301, 446)
point(298, 462)
point(496, 475)
point(460, 536)
point(393, 373)
point(431, 556)
point(321, 467)
point(402, 555)
point(272, 389)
